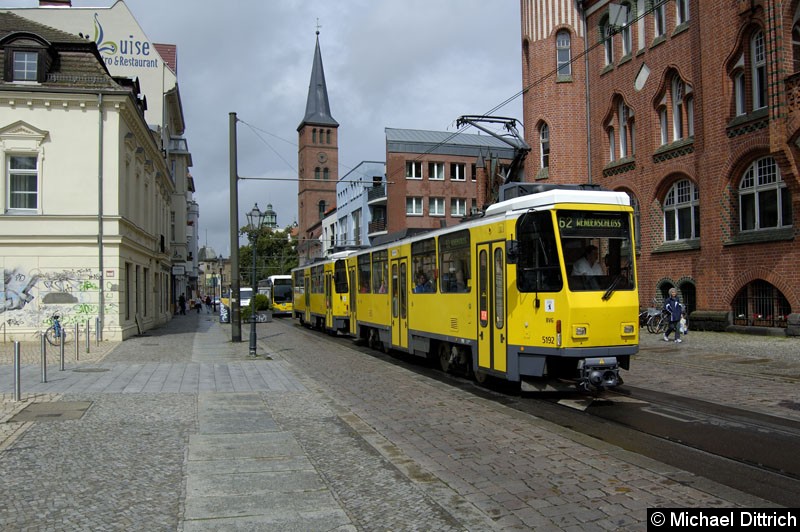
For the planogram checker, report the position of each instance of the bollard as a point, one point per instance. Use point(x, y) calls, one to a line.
point(16, 371)
point(44, 359)
point(88, 338)
point(77, 339)
point(97, 331)
point(61, 346)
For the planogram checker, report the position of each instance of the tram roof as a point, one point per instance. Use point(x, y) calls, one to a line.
point(557, 195)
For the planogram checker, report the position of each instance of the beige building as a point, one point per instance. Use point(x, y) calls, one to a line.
point(87, 195)
point(127, 52)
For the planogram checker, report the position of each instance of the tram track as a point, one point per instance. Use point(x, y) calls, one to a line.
point(748, 451)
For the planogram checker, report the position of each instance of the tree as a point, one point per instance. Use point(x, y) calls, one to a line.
point(276, 254)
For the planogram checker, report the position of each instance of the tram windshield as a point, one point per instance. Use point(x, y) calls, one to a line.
point(596, 248)
point(282, 290)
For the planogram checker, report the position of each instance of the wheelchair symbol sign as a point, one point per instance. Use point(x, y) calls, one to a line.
point(549, 305)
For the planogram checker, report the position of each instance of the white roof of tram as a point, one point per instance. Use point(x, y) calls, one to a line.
point(552, 197)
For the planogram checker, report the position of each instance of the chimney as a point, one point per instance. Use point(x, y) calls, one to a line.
point(55, 3)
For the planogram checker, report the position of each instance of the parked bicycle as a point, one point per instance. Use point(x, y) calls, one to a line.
point(658, 323)
point(55, 334)
point(647, 314)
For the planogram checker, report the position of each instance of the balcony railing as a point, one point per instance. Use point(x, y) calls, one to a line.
point(376, 226)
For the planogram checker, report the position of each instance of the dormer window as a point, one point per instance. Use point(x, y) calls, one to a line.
point(26, 66)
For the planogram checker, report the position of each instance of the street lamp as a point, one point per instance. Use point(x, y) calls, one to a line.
point(255, 219)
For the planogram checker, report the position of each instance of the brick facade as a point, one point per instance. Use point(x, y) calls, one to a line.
point(687, 77)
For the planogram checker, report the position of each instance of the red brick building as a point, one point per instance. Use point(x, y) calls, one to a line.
point(692, 108)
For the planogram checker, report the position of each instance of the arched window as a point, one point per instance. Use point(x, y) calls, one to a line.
point(563, 53)
point(764, 200)
point(612, 145)
point(325, 173)
point(321, 207)
point(739, 92)
point(328, 136)
point(544, 145)
point(662, 124)
point(682, 212)
point(626, 130)
point(314, 135)
point(316, 172)
point(758, 56)
point(760, 304)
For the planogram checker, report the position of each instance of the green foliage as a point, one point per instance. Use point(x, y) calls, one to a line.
point(262, 302)
point(276, 254)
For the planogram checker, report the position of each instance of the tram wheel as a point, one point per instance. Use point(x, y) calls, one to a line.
point(444, 356)
point(480, 377)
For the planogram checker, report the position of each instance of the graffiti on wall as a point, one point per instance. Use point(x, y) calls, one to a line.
point(29, 299)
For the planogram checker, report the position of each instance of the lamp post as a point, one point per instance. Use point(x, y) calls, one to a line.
point(220, 264)
point(255, 219)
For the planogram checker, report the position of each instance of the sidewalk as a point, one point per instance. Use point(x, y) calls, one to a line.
point(180, 429)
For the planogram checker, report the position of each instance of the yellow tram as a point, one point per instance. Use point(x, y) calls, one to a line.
point(540, 288)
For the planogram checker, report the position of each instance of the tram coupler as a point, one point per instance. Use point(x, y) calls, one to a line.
point(599, 373)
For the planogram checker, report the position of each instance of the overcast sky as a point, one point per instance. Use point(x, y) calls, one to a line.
point(416, 64)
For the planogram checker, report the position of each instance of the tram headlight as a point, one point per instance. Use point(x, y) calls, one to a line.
point(628, 329)
point(580, 331)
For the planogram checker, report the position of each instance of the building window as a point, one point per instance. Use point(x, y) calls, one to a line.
point(761, 304)
point(637, 220)
point(23, 183)
point(458, 172)
point(627, 41)
point(414, 206)
point(563, 53)
point(458, 207)
point(682, 212)
point(662, 124)
point(317, 172)
point(436, 206)
point(759, 64)
point(659, 18)
point(436, 171)
point(544, 146)
point(681, 12)
point(739, 93)
point(677, 108)
point(328, 136)
point(325, 174)
point(321, 207)
point(314, 135)
point(413, 170)
point(608, 41)
point(625, 124)
point(764, 200)
point(612, 145)
point(26, 66)
point(690, 115)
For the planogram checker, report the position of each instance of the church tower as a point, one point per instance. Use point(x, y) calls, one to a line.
point(318, 159)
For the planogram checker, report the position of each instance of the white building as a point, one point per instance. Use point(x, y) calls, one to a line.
point(128, 52)
point(87, 196)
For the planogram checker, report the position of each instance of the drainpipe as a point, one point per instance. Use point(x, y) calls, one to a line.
point(101, 306)
point(588, 108)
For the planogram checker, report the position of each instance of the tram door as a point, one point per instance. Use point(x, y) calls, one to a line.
point(307, 297)
point(353, 300)
point(399, 296)
point(491, 306)
point(329, 300)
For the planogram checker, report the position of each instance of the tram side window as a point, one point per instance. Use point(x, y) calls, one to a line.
point(317, 285)
point(380, 272)
point(340, 276)
point(538, 264)
point(297, 278)
point(455, 260)
point(364, 274)
point(423, 261)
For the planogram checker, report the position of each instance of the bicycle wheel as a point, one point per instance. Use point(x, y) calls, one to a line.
point(54, 339)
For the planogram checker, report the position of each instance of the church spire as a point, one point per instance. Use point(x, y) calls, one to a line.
point(318, 109)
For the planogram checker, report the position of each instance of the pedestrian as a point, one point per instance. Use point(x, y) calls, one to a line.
point(208, 304)
point(182, 305)
point(675, 310)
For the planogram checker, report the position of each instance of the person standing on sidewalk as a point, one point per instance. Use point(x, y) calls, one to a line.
point(675, 309)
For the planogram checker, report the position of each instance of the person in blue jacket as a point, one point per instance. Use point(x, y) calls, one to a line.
point(675, 309)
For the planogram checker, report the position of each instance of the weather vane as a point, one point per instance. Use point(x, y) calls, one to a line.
point(318, 26)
